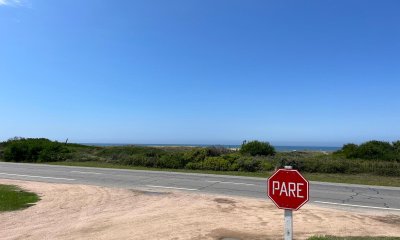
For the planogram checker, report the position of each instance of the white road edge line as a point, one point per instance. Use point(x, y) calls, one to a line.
point(360, 206)
point(189, 189)
point(236, 183)
point(31, 176)
point(85, 172)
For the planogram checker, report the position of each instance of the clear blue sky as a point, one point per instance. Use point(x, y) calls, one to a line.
point(288, 72)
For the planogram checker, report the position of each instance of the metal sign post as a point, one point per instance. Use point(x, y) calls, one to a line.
point(288, 224)
point(288, 215)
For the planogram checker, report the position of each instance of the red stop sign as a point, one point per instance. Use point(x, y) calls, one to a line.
point(288, 189)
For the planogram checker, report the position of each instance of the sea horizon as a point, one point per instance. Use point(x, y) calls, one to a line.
point(279, 148)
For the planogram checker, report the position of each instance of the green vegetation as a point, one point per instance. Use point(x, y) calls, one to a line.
point(362, 178)
point(353, 164)
point(336, 163)
point(13, 198)
point(98, 164)
point(352, 238)
point(257, 148)
point(33, 150)
point(372, 150)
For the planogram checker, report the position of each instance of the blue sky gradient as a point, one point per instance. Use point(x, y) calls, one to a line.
point(211, 72)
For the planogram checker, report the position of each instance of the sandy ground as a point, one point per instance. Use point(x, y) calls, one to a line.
point(91, 212)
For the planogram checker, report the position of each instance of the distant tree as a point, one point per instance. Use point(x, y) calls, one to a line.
point(255, 148)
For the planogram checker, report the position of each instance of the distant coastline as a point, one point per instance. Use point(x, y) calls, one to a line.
point(278, 148)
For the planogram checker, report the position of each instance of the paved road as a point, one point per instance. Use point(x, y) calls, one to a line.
point(345, 196)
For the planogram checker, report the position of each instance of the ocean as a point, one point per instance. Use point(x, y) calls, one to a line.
point(278, 148)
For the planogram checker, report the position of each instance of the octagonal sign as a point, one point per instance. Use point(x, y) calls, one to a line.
point(288, 189)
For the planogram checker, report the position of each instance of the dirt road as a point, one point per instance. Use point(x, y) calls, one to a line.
point(90, 212)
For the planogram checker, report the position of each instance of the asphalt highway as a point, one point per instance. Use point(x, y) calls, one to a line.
point(345, 196)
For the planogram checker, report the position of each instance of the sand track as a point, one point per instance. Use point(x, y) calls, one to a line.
point(91, 212)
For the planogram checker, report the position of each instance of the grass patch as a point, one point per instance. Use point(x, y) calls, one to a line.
point(361, 178)
point(13, 198)
point(352, 238)
point(119, 166)
point(366, 179)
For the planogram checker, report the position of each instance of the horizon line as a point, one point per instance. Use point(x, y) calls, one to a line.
point(203, 144)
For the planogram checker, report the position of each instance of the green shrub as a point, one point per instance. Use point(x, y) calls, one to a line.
point(257, 148)
point(350, 150)
point(200, 154)
point(142, 160)
point(372, 150)
point(234, 167)
point(249, 164)
point(331, 166)
point(172, 160)
point(34, 150)
point(216, 164)
point(267, 165)
point(232, 157)
point(396, 147)
point(194, 165)
point(196, 155)
point(216, 151)
point(53, 153)
point(16, 153)
point(116, 152)
point(134, 160)
point(375, 150)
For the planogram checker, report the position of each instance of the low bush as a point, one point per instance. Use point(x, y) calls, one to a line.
point(216, 151)
point(34, 150)
point(372, 150)
point(249, 164)
point(194, 165)
point(375, 150)
point(216, 164)
point(350, 150)
point(257, 148)
point(171, 160)
point(396, 147)
point(268, 165)
point(196, 155)
point(339, 164)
